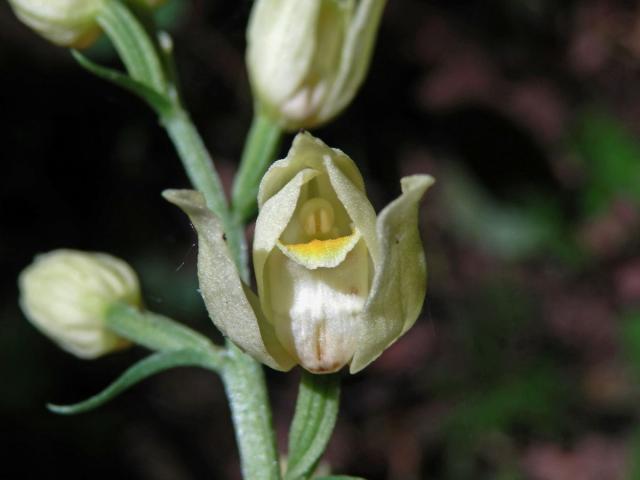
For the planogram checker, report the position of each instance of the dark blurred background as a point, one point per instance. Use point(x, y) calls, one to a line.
point(526, 360)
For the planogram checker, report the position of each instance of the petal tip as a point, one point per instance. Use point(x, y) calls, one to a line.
point(184, 199)
point(414, 182)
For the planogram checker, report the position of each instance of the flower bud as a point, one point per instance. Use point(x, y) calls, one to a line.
point(68, 23)
point(307, 58)
point(66, 295)
point(337, 285)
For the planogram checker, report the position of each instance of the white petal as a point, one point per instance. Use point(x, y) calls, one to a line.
point(231, 305)
point(281, 45)
point(357, 205)
point(306, 152)
point(399, 284)
point(316, 313)
point(356, 56)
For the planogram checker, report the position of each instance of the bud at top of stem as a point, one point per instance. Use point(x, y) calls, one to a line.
point(307, 58)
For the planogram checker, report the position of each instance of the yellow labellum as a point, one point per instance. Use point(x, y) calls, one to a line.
point(321, 253)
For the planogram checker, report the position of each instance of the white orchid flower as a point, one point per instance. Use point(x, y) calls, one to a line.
point(337, 285)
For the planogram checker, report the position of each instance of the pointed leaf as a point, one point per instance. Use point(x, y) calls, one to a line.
point(158, 102)
point(133, 43)
point(145, 368)
point(399, 284)
point(154, 331)
point(316, 413)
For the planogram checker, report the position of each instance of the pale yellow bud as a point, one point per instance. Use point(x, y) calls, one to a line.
point(307, 58)
point(68, 23)
point(66, 295)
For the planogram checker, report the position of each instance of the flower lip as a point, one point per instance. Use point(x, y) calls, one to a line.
point(321, 253)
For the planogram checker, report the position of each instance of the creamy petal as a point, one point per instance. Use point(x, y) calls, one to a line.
point(399, 283)
point(316, 313)
point(356, 56)
point(280, 33)
point(231, 305)
point(306, 152)
point(357, 205)
point(274, 217)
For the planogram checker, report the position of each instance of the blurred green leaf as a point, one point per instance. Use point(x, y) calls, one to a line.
point(171, 14)
point(611, 156)
point(533, 398)
point(509, 231)
point(339, 477)
point(634, 456)
point(631, 339)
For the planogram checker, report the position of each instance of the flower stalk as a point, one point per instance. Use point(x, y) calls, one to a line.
point(260, 150)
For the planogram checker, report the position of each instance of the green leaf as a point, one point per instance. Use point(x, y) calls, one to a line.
point(535, 397)
point(133, 44)
point(507, 230)
point(611, 155)
point(339, 477)
point(634, 455)
point(313, 422)
point(631, 339)
point(157, 101)
point(145, 368)
point(157, 332)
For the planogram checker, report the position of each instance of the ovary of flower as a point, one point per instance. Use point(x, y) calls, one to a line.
point(337, 284)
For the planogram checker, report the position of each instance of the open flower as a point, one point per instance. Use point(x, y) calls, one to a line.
point(66, 294)
point(336, 285)
point(307, 58)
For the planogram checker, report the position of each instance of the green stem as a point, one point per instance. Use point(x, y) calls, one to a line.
point(243, 377)
point(246, 389)
point(199, 167)
point(259, 152)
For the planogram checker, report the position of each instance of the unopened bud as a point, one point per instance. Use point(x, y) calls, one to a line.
point(66, 295)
